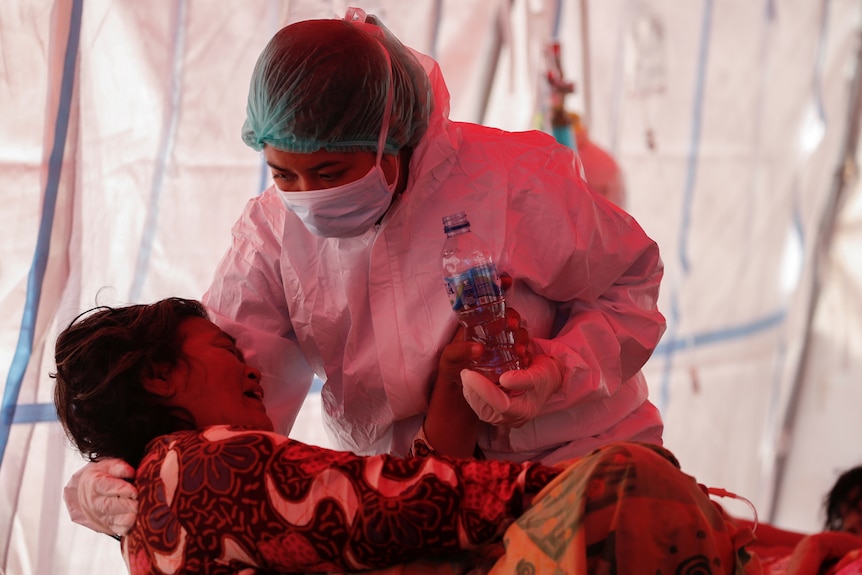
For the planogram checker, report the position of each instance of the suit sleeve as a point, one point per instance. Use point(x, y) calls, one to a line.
point(602, 271)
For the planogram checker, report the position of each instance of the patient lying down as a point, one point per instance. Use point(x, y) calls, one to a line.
point(837, 550)
point(163, 388)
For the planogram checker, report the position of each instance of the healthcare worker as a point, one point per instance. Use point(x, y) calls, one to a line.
point(335, 269)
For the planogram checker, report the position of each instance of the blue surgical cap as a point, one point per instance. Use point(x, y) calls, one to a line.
point(323, 84)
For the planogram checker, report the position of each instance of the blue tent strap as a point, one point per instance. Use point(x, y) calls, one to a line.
point(688, 195)
point(696, 126)
point(34, 413)
point(36, 276)
point(721, 336)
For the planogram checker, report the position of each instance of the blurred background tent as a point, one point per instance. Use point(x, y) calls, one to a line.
point(735, 122)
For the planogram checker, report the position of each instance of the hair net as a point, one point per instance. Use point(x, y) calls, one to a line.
point(323, 84)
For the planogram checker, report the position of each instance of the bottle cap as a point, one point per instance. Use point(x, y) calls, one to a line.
point(455, 222)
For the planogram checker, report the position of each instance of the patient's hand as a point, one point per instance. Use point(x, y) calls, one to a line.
point(99, 497)
point(848, 559)
point(450, 426)
point(809, 555)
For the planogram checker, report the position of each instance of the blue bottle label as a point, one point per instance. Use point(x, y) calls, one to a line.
point(476, 286)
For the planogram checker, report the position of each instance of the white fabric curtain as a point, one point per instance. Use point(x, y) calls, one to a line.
point(735, 123)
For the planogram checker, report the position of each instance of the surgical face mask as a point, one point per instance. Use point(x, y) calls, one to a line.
point(344, 211)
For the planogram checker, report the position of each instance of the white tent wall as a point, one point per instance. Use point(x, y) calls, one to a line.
point(749, 130)
point(122, 171)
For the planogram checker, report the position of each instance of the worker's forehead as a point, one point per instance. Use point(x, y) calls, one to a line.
point(280, 159)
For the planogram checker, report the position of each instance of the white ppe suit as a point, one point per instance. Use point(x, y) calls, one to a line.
point(370, 314)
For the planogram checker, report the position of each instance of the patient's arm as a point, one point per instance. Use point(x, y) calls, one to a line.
point(772, 536)
point(810, 554)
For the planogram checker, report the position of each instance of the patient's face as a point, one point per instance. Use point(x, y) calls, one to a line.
point(216, 385)
point(851, 513)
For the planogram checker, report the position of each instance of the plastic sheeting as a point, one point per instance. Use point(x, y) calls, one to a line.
point(735, 123)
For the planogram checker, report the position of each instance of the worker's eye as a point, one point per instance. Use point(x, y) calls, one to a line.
point(331, 176)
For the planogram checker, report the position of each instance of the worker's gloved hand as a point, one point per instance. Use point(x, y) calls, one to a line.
point(520, 395)
point(99, 497)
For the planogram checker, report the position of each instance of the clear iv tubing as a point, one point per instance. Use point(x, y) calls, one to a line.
point(718, 492)
point(355, 15)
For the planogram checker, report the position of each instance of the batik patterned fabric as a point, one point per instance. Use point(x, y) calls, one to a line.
point(625, 509)
point(226, 500)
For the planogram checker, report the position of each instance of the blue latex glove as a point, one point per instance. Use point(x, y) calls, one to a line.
point(519, 397)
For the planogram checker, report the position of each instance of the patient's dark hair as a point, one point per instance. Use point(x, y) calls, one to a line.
point(845, 493)
point(102, 358)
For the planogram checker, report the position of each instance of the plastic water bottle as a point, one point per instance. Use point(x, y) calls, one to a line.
point(473, 285)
